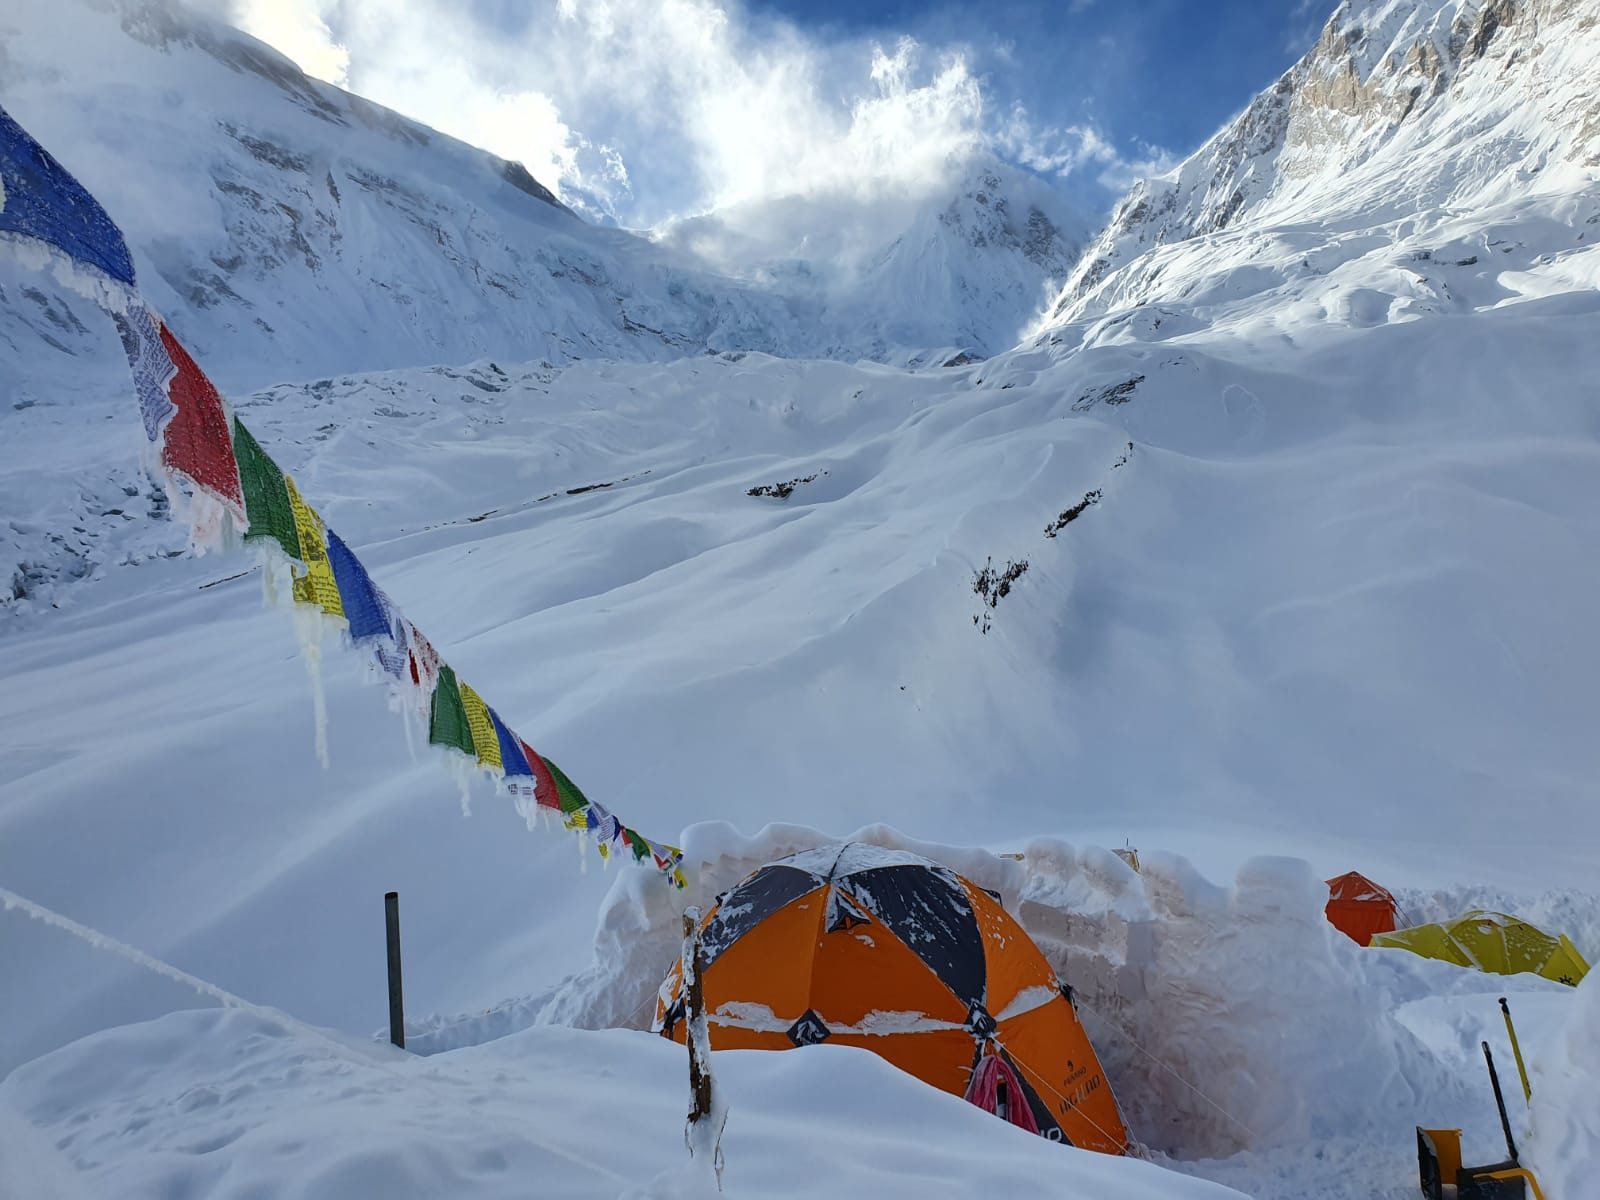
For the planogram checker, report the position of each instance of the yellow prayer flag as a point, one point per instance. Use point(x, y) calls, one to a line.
point(317, 586)
point(484, 739)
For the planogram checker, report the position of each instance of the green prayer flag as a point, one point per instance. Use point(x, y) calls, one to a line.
point(636, 843)
point(447, 720)
point(572, 800)
point(266, 497)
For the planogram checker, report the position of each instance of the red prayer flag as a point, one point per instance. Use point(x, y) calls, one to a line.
point(545, 790)
point(198, 441)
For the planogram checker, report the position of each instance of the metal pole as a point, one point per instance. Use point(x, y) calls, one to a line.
point(1500, 1103)
point(397, 1008)
point(1527, 1091)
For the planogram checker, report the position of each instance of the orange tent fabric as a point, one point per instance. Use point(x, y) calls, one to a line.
point(1359, 908)
point(861, 946)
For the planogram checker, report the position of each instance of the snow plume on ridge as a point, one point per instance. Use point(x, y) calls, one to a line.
point(1063, 151)
point(690, 90)
point(645, 111)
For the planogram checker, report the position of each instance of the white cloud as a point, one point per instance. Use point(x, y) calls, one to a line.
point(1064, 150)
point(1121, 173)
point(299, 31)
point(656, 109)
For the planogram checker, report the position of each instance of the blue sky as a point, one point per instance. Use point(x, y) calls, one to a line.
point(651, 110)
point(1164, 72)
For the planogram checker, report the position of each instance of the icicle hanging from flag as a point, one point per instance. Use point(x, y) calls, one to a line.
point(151, 365)
point(232, 486)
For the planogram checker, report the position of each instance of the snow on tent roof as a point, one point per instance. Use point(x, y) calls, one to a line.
point(846, 858)
point(1353, 885)
point(859, 945)
point(1359, 908)
point(1493, 942)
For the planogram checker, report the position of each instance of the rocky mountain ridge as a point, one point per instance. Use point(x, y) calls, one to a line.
point(1403, 109)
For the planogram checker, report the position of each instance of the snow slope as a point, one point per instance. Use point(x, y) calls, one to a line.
point(237, 1104)
point(1325, 595)
point(1168, 669)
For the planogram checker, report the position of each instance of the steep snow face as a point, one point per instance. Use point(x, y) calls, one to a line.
point(291, 230)
point(992, 257)
point(980, 258)
point(1405, 113)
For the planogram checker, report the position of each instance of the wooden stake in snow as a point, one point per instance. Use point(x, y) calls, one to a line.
point(707, 1114)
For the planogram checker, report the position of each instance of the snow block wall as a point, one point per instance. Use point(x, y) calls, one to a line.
point(1228, 1018)
point(1565, 1147)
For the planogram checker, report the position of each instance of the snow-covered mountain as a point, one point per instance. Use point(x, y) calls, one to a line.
point(1405, 115)
point(291, 227)
point(290, 231)
point(981, 259)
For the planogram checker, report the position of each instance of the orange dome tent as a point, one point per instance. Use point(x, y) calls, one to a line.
point(1359, 908)
point(861, 946)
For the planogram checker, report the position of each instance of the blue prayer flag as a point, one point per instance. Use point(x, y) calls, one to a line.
point(512, 760)
point(362, 608)
point(40, 199)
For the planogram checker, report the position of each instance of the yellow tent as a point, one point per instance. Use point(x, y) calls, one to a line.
point(1492, 942)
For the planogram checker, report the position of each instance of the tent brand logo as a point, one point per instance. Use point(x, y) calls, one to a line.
point(809, 1030)
point(1077, 1095)
point(843, 912)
